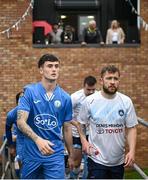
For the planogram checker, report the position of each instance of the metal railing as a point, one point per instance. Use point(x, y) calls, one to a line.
point(143, 122)
point(6, 161)
point(140, 171)
point(7, 164)
point(135, 166)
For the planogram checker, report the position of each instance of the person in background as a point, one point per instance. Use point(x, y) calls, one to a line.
point(13, 135)
point(109, 113)
point(68, 35)
point(42, 112)
point(91, 34)
point(78, 97)
point(115, 34)
point(56, 34)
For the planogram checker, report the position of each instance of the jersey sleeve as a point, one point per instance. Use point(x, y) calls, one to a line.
point(84, 114)
point(68, 110)
point(131, 119)
point(25, 100)
point(8, 128)
point(74, 102)
point(9, 120)
point(9, 134)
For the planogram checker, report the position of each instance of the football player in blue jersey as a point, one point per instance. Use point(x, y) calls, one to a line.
point(15, 140)
point(43, 110)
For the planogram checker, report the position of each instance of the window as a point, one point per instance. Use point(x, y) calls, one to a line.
point(77, 14)
point(83, 21)
point(78, 22)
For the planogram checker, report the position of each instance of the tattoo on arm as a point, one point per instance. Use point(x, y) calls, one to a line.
point(22, 117)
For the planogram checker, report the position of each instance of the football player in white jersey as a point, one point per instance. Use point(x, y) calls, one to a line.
point(78, 97)
point(108, 113)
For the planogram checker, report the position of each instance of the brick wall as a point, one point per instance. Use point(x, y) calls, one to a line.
point(18, 66)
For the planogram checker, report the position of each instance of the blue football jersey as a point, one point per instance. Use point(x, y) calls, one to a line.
point(11, 116)
point(46, 117)
point(10, 122)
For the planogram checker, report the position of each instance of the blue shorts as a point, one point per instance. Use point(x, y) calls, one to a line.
point(54, 169)
point(19, 150)
point(98, 171)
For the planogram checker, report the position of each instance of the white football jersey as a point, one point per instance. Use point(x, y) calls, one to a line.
point(78, 98)
point(107, 119)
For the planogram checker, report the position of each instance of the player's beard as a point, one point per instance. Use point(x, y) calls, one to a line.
point(107, 91)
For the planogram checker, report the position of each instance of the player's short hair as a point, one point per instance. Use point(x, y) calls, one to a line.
point(90, 81)
point(47, 57)
point(18, 95)
point(110, 69)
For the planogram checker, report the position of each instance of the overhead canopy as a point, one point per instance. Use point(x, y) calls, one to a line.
point(77, 4)
point(44, 10)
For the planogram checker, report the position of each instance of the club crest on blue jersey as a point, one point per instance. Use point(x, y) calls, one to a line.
point(57, 103)
point(46, 121)
point(121, 112)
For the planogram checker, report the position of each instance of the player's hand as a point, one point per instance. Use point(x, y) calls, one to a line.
point(70, 162)
point(44, 146)
point(129, 159)
point(89, 149)
point(86, 146)
point(12, 151)
point(83, 43)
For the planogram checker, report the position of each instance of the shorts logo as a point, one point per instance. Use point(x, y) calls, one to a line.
point(121, 112)
point(45, 121)
point(57, 103)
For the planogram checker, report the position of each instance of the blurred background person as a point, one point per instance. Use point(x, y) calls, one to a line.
point(115, 34)
point(92, 34)
point(78, 97)
point(14, 137)
point(56, 34)
point(68, 35)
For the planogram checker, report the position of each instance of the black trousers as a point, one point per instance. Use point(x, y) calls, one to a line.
point(98, 171)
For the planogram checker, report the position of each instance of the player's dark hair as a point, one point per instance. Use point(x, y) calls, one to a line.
point(18, 96)
point(47, 57)
point(90, 81)
point(110, 69)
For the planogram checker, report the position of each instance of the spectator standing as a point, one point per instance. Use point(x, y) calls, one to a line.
point(68, 35)
point(91, 34)
point(56, 34)
point(115, 34)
